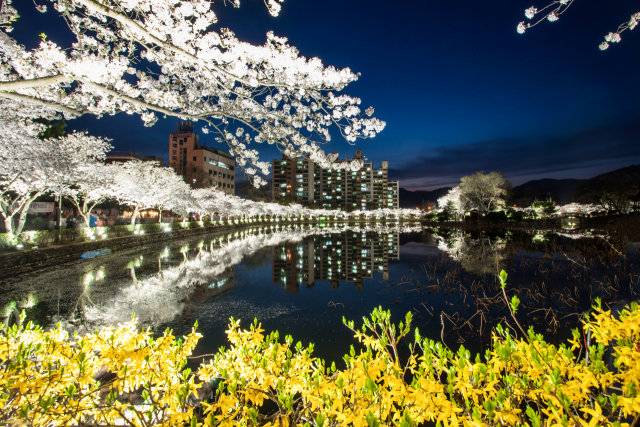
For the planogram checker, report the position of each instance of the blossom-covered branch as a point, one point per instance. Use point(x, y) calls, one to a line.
point(244, 94)
point(552, 13)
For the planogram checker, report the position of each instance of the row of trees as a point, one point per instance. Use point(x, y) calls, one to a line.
point(72, 167)
point(485, 193)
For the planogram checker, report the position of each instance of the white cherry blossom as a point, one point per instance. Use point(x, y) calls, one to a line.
point(244, 94)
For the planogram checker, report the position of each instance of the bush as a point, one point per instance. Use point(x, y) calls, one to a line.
point(517, 216)
point(496, 216)
point(7, 241)
point(48, 377)
point(36, 237)
point(43, 237)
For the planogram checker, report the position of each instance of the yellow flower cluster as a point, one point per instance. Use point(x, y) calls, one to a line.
point(48, 378)
point(114, 376)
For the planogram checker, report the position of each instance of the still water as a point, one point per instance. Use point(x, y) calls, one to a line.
point(302, 281)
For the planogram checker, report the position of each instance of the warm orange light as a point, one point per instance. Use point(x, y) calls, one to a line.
point(429, 208)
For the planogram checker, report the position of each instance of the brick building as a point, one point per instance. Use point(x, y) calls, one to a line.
point(201, 166)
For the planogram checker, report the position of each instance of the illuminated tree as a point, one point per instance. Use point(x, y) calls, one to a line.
point(244, 94)
point(484, 192)
point(30, 167)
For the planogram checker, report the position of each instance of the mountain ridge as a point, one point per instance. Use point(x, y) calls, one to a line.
point(560, 190)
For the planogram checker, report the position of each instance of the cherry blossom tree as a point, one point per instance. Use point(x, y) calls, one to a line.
point(131, 185)
point(553, 10)
point(157, 57)
point(453, 199)
point(484, 192)
point(94, 187)
point(30, 167)
point(167, 190)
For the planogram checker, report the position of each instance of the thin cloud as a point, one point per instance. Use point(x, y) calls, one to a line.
point(444, 165)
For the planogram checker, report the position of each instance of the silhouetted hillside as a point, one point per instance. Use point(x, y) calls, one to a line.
point(630, 173)
point(613, 189)
point(411, 199)
point(560, 190)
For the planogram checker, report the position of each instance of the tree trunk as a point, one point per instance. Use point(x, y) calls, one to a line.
point(22, 219)
point(23, 213)
point(8, 224)
point(87, 218)
point(160, 215)
point(133, 215)
point(82, 210)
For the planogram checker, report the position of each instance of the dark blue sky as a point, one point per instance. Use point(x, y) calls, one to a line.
point(460, 90)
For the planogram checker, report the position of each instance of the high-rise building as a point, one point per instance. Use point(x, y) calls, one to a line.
point(351, 256)
point(200, 165)
point(310, 185)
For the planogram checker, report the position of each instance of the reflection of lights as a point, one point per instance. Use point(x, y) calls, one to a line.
point(8, 309)
point(29, 302)
point(88, 279)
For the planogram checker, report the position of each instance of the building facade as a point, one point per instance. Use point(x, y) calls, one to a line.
point(351, 257)
point(306, 183)
point(201, 166)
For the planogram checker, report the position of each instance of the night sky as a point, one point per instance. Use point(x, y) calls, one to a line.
point(461, 91)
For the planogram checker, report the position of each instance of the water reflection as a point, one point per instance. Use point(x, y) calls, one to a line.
point(350, 256)
point(481, 255)
point(290, 278)
point(159, 283)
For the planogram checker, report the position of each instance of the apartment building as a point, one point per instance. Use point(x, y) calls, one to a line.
point(310, 185)
point(201, 166)
point(393, 194)
point(351, 256)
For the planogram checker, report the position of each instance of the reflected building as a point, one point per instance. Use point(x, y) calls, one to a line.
point(220, 285)
point(351, 256)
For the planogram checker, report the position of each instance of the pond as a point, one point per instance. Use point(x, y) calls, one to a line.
point(302, 280)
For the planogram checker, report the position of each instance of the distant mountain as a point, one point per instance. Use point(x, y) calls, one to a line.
point(560, 190)
point(411, 199)
point(564, 190)
point(630, 173)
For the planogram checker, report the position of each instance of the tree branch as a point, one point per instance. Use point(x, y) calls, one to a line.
point(30, 100)
point(37, 82)
point(136, 28)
